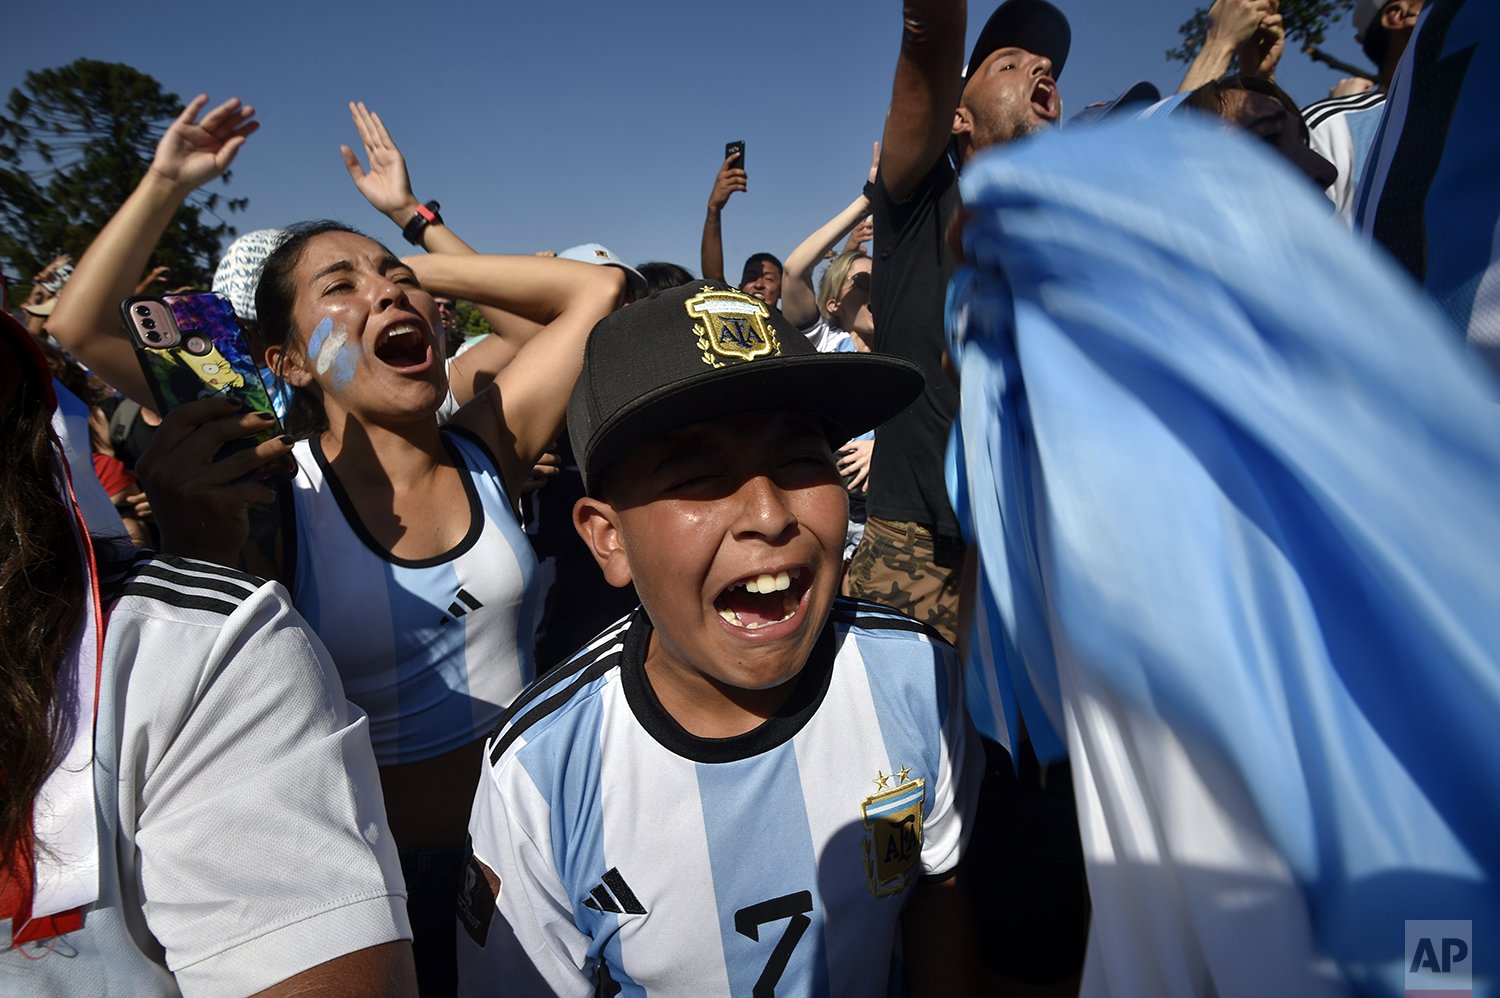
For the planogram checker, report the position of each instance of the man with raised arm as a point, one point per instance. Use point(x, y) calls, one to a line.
point(1030, 873)
point(940, 115)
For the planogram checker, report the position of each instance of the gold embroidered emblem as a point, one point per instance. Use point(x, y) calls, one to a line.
point(893, 833)
point(731, 324)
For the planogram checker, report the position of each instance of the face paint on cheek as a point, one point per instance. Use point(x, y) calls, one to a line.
point(318, 338)
point(343, 366)
point(330, 349)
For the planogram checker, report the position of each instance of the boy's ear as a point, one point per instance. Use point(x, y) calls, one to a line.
point(598, 524)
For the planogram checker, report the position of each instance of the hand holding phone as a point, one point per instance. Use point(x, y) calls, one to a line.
point(191, 347)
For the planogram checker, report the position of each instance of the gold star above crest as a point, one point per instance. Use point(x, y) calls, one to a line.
point(880, 781)
point(902, 774)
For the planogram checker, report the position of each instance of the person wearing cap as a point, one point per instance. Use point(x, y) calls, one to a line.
point(750, 784)
point(1342, 129)
point(602, 255)
point(912, 554)
point(1033, 917)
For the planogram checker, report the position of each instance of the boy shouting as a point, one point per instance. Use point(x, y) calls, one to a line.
point(749, 785)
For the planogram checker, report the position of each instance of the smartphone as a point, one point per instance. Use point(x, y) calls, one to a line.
point(730, 148)
point(191, 347)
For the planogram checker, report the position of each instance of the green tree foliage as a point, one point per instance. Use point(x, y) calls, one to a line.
point(1305, 21)
point(74, 142)
point(470, 322)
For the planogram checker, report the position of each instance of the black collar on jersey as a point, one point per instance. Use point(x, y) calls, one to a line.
point(812, 686)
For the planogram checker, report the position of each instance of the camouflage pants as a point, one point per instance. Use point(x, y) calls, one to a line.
point(903, 566)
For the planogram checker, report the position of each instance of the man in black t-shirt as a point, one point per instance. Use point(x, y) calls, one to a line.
point(911, 555)
point(1028, 895)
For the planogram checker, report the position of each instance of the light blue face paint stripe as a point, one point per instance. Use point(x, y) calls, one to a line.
point(565, 767)
point(760, 849)
point(343, 365)
point(319, 336)
point(902, 674)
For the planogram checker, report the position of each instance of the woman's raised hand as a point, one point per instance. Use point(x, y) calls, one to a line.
point(385, 184)
point(193, 152)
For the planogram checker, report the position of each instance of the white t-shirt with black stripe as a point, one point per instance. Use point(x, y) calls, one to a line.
point(1342, 130)
point(242, 834)
point(608, 840)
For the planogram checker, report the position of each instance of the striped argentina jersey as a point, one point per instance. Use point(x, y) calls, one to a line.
point(432, 649)
point(1341, 130)
point(610, 844)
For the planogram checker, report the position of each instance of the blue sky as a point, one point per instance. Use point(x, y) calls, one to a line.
point(549, 124)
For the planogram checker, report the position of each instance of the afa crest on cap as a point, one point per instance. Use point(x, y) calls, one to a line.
point(731, 324)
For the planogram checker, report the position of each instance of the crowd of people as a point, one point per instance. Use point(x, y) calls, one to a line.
point(917, 614)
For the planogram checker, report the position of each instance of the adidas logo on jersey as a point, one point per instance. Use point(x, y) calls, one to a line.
point(461, 605)
point(614, 895)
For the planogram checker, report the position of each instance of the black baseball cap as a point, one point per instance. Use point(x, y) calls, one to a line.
point(1033, 25)
point(703, 350)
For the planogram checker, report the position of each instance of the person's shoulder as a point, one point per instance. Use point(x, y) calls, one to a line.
point(1321, 111)
point(877, 621)
point(148, 583)
point(545, 705)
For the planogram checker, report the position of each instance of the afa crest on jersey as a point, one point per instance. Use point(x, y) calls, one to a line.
point(893, 832)
point(730, 324)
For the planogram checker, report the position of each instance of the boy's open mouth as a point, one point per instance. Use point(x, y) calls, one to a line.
point(762, 600)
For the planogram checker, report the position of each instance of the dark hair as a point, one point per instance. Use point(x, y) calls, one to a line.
point(1376, 43)
point(41, 605)
point(1211, 97)
point(275, 296)
point(660, 276)
point(752, 266)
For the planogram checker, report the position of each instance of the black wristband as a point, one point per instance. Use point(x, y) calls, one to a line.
point(426, 215)
point(870, 191)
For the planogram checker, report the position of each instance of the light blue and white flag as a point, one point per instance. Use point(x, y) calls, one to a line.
point(1236, 490)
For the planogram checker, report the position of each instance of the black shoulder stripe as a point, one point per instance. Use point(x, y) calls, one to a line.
point(853, 603)
point(547, 706)
point(1348, 100)
point(172, 597)
point(602, 643)
point(218, 585)
point(1320, 112)
point(209, 568)
point(871, 622)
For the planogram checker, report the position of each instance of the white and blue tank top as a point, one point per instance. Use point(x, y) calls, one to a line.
point(431, 649)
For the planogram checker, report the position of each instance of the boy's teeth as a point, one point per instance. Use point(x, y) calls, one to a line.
point(788, 605)
point(770, 583)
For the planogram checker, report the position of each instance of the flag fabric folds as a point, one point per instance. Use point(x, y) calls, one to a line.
point(1236, 492)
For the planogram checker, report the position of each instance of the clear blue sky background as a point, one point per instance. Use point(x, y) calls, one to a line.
point(547, 124)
